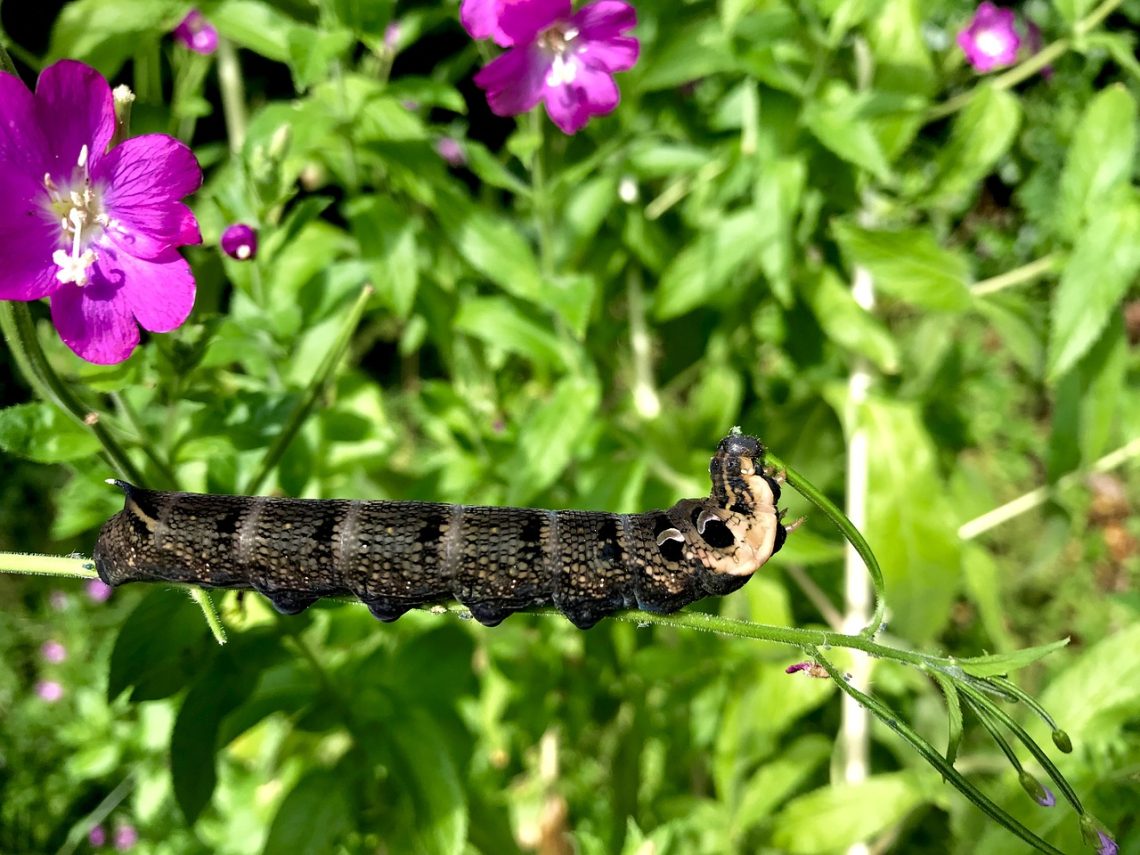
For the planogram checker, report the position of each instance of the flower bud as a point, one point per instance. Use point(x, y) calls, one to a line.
point(1097, 837)
point(239, 241)
point(1037, 791)
point(1062, 741)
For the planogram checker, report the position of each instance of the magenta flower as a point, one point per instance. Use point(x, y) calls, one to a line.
point(98, 591)
point(197, 33)
point(990, 41)
point(97, 836)
point(93, 229)
point(239, 241)
point(53, 651)
point(481, 20)
point(49, 691)
point(126, 836)
point(566, 60)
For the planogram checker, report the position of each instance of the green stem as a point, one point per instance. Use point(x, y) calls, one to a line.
point(316, 388)
point(47, 565)
point(1025, 273)
point(981, 702)
point(6, 63)
point(806, 489)
point(20, 331)
point(540, 197)
point(932, 756)
point(206, 604)
point(233, 94)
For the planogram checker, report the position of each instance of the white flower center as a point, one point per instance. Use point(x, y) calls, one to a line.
point(558, 42)
point(991, 43)
point(78, 208)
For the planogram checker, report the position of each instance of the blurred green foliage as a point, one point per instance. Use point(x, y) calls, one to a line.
point(574, 322)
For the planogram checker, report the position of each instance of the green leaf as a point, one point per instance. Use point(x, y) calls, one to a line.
point(999, 664)
point(838, 816)
point(690, 52)
point(982, 576)
point(706, 267)
point(41, 432)
point(387, 239)
point(501, 324)
point(838, 120)
point(777, 199)
point(1098, 693)
point(846, 322)
point(194, 742)
point(160, 648)
point(105, 35)
point(1100, 160)
point(982, 133)
point(492, 245)
point(911, 523)
point(653, 158)
point(1097, 276)
point(779, 776)
point(313, 817)
point(313, 51)
point(549, 436)
point(953, 716)
point(1073, 10)
point(254, 25)
point(428, 776)
point(908, 264)
point(1104, 381)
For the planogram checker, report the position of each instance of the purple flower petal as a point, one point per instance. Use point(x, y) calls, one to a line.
point(75, 109)
point(481, 20)
point(97, 836)
point(146, 177)
point(523, 20)
point(99, 591)
point(49, 691)
point(23, 146)
point(594, 93)
point(514, 81)
point(95, 322)
point(158, 292)
point(1105, 844)
point(27, 240)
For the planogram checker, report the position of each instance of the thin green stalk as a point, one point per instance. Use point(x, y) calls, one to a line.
point(232, 90)
point(78, 834)
point(206, 604)
point(540, 197)
point(1019, 276)
point(806, 489)
point(982, 702)
point(6, 63)
point(28, 564)
point(318, 385)
point(19, 330)
point(935, 759)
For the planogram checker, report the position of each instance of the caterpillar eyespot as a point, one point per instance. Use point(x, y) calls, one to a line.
point(395, 556)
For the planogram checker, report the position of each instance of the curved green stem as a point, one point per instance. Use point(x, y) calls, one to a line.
point(808, 490)
point(202, 598)
point(20, 331)
point(313, 391)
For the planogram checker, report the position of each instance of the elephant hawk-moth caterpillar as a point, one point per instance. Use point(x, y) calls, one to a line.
point(395, 556)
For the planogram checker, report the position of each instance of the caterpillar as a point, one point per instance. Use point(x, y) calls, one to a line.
point(399, 555)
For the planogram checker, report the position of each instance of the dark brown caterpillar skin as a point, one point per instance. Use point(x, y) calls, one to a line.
point(396, 556)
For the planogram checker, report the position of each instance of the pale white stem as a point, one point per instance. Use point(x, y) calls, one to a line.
point(1034, 498)
point(854, 734)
